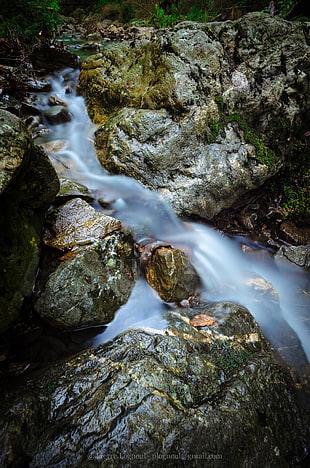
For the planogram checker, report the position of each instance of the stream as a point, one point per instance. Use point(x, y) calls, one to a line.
point(275, 293)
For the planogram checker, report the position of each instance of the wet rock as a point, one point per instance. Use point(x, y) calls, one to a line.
point(14, 147)
point(293, 234)
point(90, 286)
point(172, 275)
point(52, 59)
point(199, 112)
point(77, 223)
point(92, 46)
point(56, 101)
point(181, 394)
point(28, 185)
point(299, 255)
point(57, 114)
point(71, 189)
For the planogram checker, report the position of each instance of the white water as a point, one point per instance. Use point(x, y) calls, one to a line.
point(227, 274)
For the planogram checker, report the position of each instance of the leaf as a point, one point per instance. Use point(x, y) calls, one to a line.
point(67, 255)
point(203, 320)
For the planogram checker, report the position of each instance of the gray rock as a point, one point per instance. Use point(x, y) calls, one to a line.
point(29, 184)
point(71, 189)
point(298, 255)
point(200, 112)
point(89, 287)
point(179, 396)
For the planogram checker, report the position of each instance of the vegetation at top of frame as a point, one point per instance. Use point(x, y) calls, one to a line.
point(27, 21)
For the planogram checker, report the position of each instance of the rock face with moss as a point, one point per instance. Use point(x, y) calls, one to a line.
point(28, 185)
point(95, 270)
point(147, 399)
point(203, 112)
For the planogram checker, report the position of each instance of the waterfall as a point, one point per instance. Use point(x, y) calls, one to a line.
point(271, 291)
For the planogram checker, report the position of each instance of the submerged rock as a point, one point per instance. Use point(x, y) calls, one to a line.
point(178, 395)
point(91, 285)
point(202, 112)
point(28, 185)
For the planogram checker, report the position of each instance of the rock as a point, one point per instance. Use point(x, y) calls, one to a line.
point(299, 255)
point(162, 398)
point(200, 112)
point(172, 275)
point(293, 234)
point(57, 114)
point(77, 223)
point(56, 101)
point(14, 147)
point(90, 286)
point(71, 189)
point(28, 186)
point(52, 59)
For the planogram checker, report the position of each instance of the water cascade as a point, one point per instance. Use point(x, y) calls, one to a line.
point(272, 292)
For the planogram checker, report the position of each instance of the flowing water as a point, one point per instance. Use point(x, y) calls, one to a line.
point(274, 293)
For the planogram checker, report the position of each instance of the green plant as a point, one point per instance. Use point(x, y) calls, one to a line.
point(286, 7)
point(263, 154)
point(161, 20)
point(30, 20)
point(228, 357)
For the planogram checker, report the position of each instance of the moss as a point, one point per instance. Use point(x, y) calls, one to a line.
point(263, 155)
point(215, 128)
point(228, 357)
point(292, 183)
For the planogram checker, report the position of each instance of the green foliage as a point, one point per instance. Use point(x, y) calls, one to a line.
point(161, 20)
point(293, 182)
point(286, 6)
point(202, 15)
point(29, 20)
point(215, 127)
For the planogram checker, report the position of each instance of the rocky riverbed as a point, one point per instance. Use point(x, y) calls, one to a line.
point(189, 112)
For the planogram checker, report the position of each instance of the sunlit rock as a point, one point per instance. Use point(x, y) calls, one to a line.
point(172, 275)
point(89, 287)
point(77, 223)
point(172, 395)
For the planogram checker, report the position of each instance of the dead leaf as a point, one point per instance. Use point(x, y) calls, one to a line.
point(203, 320)
point(67, 255)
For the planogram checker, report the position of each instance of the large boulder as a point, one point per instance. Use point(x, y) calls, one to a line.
point(208, 397)
point(89, 287)
point(28, 185)
point(202, 113)
point(95, 275)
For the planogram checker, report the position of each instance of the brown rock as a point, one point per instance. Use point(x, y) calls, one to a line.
point(172, 275)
